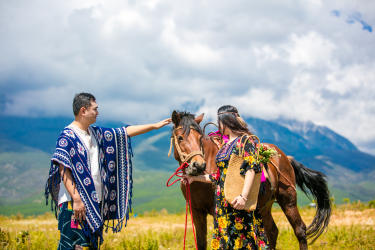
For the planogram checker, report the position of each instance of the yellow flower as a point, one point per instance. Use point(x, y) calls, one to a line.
point(256, 221)
point(222, 222)
point(219, 211)
point(249, 234)
point(215, 244)
point(225, 237)
point(249, 159)
point(238, 226)
point(238, 243)
point(225, 171)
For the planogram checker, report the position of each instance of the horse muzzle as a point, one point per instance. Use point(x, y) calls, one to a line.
point(195, 168)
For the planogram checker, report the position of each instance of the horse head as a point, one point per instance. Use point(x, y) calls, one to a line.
point(190, 144)
point(186, 137)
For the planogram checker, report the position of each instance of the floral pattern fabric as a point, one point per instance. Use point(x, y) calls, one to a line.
point(236, 229)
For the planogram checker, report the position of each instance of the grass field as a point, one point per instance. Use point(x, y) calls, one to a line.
point(352, 226)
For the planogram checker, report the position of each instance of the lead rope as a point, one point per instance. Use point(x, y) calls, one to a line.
point(178, 172)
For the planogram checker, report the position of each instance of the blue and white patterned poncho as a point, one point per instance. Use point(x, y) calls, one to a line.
point(116, 173)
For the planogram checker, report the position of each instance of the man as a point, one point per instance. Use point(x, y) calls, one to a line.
point(90, 177)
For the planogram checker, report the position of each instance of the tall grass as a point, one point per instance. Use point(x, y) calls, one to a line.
point(352, 227)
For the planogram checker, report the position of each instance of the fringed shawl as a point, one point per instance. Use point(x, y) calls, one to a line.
point(116, 172)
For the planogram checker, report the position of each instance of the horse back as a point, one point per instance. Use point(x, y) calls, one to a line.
point(280, 169)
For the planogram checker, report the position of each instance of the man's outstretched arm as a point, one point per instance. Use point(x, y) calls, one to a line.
point(141, 129)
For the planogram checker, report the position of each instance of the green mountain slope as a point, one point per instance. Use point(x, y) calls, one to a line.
point(25, 153)
point(22, 171)
point(149, 193)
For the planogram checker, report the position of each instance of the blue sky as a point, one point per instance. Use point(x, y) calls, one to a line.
point(353, 18)
point(306, 60)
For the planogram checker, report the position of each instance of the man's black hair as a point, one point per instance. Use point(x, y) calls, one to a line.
point(82, 100)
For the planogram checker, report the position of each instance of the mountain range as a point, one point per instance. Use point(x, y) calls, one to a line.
point(26, 145)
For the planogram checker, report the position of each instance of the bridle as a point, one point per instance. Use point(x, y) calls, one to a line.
point(184, 157)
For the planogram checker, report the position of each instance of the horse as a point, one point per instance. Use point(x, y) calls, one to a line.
point(192, 146)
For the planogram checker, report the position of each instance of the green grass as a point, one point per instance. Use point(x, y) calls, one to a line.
point(352, 226)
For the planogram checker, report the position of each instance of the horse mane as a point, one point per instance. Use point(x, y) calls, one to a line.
point(187, 121)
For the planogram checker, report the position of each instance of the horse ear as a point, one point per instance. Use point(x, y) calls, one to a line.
point(199, 118)
point(175, 118)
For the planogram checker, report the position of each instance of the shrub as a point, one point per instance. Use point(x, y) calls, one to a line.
point(4, 239)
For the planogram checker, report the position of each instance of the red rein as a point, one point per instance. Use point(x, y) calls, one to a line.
point(178, 173)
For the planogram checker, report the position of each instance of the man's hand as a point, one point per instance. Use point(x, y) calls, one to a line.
point(141, 129)
point(78, 206)
point(239, 203)
point(162, 123)
point(79, 209)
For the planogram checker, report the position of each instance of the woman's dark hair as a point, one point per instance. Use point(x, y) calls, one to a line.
point(82, 100)
point(228, 116)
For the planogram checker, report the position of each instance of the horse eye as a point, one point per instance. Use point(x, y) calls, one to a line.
point(180, 138)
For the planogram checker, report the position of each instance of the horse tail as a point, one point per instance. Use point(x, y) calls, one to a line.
point(313, 183)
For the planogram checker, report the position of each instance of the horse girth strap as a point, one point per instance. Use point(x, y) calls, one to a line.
point(280, 173)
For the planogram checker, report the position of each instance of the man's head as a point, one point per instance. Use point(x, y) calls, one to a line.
point(85, 107)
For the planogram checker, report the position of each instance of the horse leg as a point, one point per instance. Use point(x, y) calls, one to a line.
point(269, 226)
point(287, 200)
point(265, 200)
point(200, 223)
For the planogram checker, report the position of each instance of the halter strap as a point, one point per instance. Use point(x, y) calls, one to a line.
point(183, 156)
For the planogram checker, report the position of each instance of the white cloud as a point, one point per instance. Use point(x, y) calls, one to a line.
point(355, 78)
point(265, 54)
point(310, 50)
point(36, 103)
point(142, 59)
point(188, 49)
point(125, 19)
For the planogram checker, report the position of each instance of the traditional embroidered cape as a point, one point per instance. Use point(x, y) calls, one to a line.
point(116, 173)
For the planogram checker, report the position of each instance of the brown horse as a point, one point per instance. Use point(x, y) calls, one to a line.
point(192, 146)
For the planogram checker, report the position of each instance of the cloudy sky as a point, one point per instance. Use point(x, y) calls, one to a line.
point(307, 60)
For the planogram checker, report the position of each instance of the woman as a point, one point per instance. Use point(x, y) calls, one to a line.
point(234, 228)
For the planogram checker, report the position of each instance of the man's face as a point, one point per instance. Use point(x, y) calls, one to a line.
point(91, 112)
